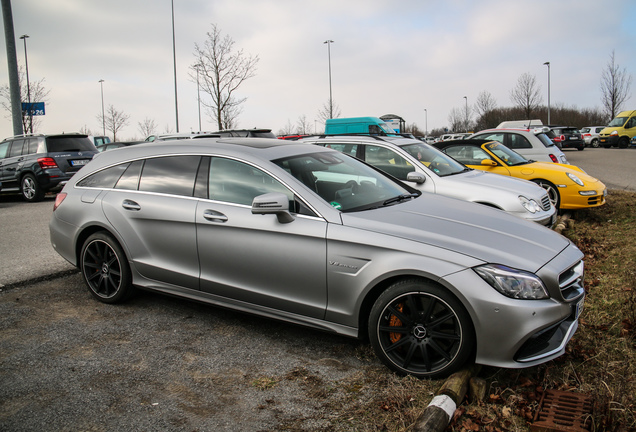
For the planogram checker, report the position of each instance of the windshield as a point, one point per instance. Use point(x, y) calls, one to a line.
point(617, 122)
point(346, 183)
point(507, 156)
point(438, 162)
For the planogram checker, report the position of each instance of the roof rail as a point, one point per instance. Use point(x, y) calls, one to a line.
point(354, 134)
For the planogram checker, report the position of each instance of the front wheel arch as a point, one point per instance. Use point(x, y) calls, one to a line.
point(418, 327)
point(553, 191)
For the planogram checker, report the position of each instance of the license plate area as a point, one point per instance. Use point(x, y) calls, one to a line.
point(79, 162)
point(578, 309)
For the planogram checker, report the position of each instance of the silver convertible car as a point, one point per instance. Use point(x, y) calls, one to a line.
point(311, 236)
point(441, 174)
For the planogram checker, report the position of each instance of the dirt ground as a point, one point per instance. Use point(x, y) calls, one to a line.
point(69, 363)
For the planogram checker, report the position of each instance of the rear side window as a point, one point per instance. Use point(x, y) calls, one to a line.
point(545, 140)
point(106, 178)
point(16, 148)
point(519, 142)
point(173, 175)
point(57, 144)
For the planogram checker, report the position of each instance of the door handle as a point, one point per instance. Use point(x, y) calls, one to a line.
point(131, 205)
point(214, 216)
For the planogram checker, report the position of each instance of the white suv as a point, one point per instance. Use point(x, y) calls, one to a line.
point(440, 174)
point(534, 144)
point(590, 135)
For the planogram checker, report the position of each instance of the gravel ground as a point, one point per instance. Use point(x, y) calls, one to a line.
point(69, 363)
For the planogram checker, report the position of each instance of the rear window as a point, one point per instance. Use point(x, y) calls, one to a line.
point(57, 144)
point(545, 140)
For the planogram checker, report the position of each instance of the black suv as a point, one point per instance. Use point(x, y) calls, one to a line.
point(567, 137)
point(33, 165)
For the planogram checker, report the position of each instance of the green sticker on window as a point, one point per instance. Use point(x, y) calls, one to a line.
point(336, 205)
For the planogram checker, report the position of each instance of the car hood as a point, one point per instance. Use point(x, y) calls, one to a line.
point(496, 182)
point(531, 168)
point(474, 230)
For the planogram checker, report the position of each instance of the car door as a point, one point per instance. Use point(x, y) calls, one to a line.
point(256, 259)
point(154, 210)
point(11, 164)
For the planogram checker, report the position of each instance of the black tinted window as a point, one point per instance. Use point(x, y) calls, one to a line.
point(519, 142)
point(56, 144)
point(4, 147)
point(130, 178)
point(31, 147)
point(106, 178)
point(16, 148)
point(170, 175)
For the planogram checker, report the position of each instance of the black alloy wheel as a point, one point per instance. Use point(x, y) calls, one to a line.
point(105, 269)
point(418, 328)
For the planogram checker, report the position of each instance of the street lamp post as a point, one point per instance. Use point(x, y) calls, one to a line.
point(26, 63)
point(329, 42)
point(425, 123)
point(174, 61)
point(466, 121)
point(197, 66)
point(101, 84)
point(548, 65)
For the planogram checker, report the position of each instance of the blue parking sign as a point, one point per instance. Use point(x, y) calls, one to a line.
point(33, 108)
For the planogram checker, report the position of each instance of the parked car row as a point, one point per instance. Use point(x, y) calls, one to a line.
point(314, 236)
point(373, 236)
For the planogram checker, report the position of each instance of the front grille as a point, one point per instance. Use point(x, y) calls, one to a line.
point(571, 282)
point(545, 202)
point(595, 200)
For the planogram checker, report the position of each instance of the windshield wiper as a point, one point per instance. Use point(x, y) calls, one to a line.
point(399, 198)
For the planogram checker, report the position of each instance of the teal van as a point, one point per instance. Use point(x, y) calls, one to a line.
point(358, 125)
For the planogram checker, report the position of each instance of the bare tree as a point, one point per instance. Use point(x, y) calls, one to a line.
point(302, 126)
point(457, 119)
point(147, 127)
point(526, 94)
point(485, 103)
point(221, 71)
point(38, 94)
point(615, 87)
point(328, 109)
point(288, 129)
point(114, 120)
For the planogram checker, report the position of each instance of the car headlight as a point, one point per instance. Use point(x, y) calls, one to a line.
point(531, 205)
point(614, 132)
point(516, 284)
point(575, 179)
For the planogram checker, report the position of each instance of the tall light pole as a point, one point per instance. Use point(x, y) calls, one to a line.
point(466, 121)
point(197, 66)
point(174, 61)
point(329, 42)
point(548, 65)
point(101, 84)
point(24, 37)
point(425, 123)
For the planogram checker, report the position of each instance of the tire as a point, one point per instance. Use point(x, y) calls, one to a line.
point(105, 269)
point(581, 147)
point(623, 142)
point(553, 192)
point(418, 328)
point(30, 189)
point(595, 143)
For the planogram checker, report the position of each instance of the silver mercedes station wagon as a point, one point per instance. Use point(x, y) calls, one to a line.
point(312, 236)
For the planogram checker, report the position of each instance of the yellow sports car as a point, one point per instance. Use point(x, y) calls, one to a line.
point(568, 186)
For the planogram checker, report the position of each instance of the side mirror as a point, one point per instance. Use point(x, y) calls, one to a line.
point(416, 177)
point(273, 203)
point(488, 162)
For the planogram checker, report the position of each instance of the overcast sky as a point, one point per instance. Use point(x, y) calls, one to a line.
point(401, 57)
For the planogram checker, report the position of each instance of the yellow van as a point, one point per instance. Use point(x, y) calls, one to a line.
point(619, 131)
